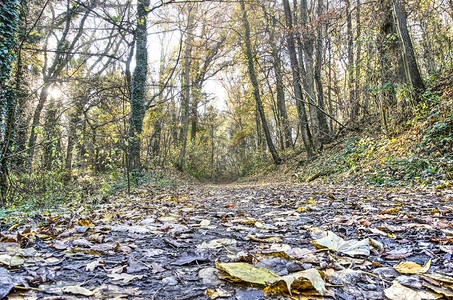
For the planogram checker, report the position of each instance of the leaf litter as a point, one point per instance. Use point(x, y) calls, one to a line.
point(236, 242)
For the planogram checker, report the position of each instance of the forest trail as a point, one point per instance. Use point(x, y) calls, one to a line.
point(165, 244)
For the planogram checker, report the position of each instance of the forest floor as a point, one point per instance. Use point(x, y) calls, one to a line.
point(185, 242)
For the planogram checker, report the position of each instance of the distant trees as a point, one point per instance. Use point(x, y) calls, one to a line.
point(133, 80)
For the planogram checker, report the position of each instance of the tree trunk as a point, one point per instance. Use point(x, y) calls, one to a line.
point(155, 141)
point(72, 136)
point(138, 86)
point(35, 122)
point(410, 62)
point(8, 28)
point(389, 50)
point(185, 93)
point(430, 62)
point(194, 117)
point(308, 50)
point(303, 120)
point(254, 81)
point(281, 104)
point(329, 76)
point(357, 93)
point(323, 127)
point(352, 101)
point(64, 53)
point(52, 135)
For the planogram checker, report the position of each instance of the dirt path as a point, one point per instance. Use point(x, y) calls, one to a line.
point(164, 244)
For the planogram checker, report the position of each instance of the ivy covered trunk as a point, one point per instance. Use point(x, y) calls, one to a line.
point(9, 16)
point(138, 87)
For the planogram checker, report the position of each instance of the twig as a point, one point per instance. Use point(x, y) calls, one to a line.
point(145, 264)
point(154, 295)
point(232, 253)
point(18, 287)
point(371, 274)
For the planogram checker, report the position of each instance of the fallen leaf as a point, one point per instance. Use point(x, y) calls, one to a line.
point(7, 282)
point(260, 225)
point(400, 292)
point(77, 290)
point(352, 247)
point(217, 293)
point(270, 239)
point(122, 248)
point(107, 218)
point(272, 283)
point(377, 231)
point(440, 290)
point(303, 280)
point(409, 267)
point(157, 268)
point(11, 261)
point(243, 272)
point(442, 278)
point(346, 276)
point(365, 222)
point(205, 223)
point(94, 264)
point(187, 259)
point(59, 245)
point(85, 223)
point(218, 243)
point(97, 238)
point(82, 243)
point(124, 277)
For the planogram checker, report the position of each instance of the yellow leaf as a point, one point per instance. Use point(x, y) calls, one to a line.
point(303, 280)
point(264, 278)
point(243, 272)
point(11, 261)
point(270, 239)
point(409, 267)
point(107, 218)
point(85, 223)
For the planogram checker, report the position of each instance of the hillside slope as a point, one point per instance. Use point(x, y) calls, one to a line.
point(417, 152)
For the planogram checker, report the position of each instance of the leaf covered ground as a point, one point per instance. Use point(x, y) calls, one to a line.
point(246, 242)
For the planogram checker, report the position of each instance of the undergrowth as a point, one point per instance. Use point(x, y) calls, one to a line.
point(34, 193)
point(420, 154)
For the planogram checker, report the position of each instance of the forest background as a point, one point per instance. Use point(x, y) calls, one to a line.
point(99, 95)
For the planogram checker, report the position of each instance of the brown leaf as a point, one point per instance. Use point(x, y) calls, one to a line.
point(122, 248)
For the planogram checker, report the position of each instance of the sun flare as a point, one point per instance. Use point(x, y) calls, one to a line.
point(55, 93)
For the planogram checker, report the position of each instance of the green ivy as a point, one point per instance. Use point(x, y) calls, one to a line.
point(9, 17)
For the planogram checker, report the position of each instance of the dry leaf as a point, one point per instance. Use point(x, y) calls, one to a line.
point(243, 272)
point(218, 243)
point(11, 261)
point(126, 278)
point(352, 247)
point(303, 280)
point(77, 290)
point(400, 292)
point(94, 264)
point(409, 267)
